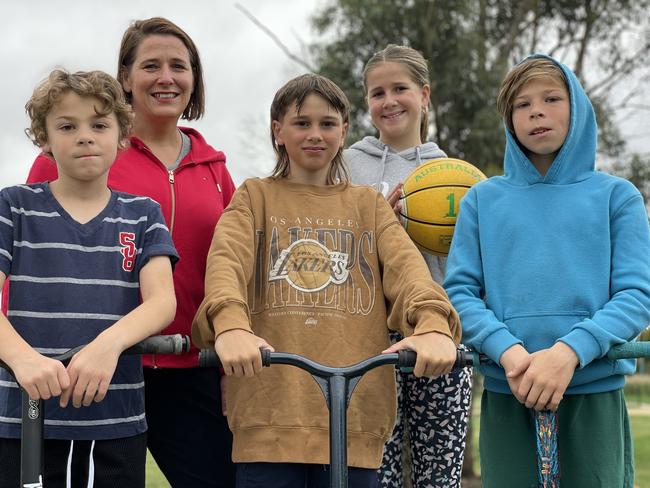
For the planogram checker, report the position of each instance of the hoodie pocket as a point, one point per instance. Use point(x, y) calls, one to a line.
point(540, 330)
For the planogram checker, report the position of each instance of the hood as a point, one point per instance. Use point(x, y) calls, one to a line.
point(377, 149)
point(576, 159)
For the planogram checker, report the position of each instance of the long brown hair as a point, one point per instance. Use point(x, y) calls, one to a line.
point(297, 90)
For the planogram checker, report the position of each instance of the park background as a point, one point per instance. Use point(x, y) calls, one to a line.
point(250, 48)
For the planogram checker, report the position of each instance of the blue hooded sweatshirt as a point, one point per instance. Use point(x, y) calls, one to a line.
point(561, 257)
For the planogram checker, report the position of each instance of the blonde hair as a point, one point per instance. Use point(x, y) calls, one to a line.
point(96, 84)
point(138, 32)
point(296, 91)
point(532, 68)
point(418, 70)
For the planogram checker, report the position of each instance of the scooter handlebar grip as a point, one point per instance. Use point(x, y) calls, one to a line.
point(266, 357)
point(406, 359)
point(208, 359)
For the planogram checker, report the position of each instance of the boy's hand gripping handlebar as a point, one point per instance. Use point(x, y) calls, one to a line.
point(31, 448)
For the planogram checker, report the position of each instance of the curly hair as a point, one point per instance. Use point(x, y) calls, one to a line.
point(96, 84)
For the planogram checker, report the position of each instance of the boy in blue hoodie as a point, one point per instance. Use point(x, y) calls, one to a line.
point(550, 268)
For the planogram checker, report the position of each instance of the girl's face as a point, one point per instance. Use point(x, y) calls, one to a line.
point(160, 79)
point(396, 103)
point(311, 137)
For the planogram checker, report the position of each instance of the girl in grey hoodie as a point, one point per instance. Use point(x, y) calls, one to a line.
point(434, 411)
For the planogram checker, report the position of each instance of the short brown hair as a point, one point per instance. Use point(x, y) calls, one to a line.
point(296, 91)
point(96, 84)
point(139, 31)
point(417, 68)
point(531, 68)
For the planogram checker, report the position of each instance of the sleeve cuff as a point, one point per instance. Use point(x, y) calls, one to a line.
point(584, 344)
point(434, 322)
point(497, 343)
point(230, 316)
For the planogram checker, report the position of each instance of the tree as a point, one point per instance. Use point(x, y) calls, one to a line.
point(471, 44)
point(637, 170)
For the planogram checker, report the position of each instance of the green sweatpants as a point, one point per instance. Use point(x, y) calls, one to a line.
point(594, 442)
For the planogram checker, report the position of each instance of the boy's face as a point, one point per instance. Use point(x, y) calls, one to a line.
point(311, 137)
point(83, 143)
point(541, 114)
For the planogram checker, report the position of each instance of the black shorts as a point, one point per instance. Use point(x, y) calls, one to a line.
point(112, 463)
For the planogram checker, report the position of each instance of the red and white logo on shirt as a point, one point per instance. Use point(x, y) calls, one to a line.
point(128, 250)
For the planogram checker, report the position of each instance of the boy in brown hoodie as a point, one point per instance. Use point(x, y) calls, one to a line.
point(308, 263)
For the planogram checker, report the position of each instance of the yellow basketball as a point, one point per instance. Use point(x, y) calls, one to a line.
point(430, 199)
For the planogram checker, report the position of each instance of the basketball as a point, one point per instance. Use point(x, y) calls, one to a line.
point(430, 199)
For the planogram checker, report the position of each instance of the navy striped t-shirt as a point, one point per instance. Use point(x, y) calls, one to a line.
point(69, 282)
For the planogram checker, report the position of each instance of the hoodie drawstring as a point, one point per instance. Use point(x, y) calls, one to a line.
point(214, 177)
point(418, 155)
point(382, 165)
point(384, 156)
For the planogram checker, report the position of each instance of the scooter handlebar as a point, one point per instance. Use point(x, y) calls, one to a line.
point(405, 358)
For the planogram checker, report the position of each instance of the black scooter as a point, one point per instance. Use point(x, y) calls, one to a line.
point(337, 385)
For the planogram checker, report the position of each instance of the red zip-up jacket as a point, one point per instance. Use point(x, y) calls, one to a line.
point(192, 198)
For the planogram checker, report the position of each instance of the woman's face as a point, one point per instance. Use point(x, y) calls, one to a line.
point(160, 79)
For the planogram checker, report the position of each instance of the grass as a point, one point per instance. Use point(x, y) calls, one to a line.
point(637, 390)
point(155, 479)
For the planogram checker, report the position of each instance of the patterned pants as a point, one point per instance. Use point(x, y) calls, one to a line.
point(435, 413)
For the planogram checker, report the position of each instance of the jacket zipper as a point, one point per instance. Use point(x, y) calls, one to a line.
point(173, 213)
point(171, 227)
point(173, 217)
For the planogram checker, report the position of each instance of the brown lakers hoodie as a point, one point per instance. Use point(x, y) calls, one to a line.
point(322, 271)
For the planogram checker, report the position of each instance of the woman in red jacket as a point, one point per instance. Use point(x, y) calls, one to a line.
point(160, 71)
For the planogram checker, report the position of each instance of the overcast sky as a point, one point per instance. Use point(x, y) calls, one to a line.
point(243, 68)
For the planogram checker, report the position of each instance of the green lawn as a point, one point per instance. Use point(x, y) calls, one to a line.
point(155, 479)
point(641, 432)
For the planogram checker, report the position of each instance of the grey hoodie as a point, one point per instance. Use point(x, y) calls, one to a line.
point(373, 163)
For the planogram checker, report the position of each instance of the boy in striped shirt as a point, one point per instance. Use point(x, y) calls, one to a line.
point(88, 266)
